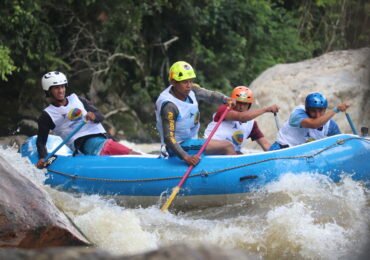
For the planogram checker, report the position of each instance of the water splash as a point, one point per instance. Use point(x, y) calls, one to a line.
point(304, 216)
point(107, 225)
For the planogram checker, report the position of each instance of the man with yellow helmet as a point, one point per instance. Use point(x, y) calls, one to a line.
point(238, 124)
point(177, 115)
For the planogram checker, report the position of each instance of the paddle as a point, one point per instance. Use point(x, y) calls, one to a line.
point(277, 121)
point(74, 131)
point(176, 189)
point(351, 124)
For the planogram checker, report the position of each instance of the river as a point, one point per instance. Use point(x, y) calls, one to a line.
point(303, 216)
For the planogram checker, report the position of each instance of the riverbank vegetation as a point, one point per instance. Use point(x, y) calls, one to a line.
point(117, 53)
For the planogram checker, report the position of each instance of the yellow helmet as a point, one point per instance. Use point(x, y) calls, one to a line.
point(181, 70)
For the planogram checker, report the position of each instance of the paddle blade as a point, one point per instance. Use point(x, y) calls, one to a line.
point(168, 203)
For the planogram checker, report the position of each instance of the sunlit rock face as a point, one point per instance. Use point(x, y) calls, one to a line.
point(28, 217)
point(340, 76)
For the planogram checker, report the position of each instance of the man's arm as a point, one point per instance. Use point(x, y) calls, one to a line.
point(257, 135)
point(264, 143)
point(169, 113)
point(99, 117)
point(208, 95)
point(45, 124)
point(250, 114)
point(315, 123)
point(320, 121)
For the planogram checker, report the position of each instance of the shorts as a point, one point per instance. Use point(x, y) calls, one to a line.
point(114, 148)
point(191, 146)
point(276, 146)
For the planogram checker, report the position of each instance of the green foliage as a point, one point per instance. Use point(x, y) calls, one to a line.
point(329, 25)
point(126, 48)
point(6, 63)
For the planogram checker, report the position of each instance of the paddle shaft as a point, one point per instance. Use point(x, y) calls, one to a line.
point(176, 189)
point(351, 124)
point(277, 121)
point(204, 146)
point(74, 131)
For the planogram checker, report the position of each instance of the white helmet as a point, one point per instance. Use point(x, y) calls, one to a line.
point(53, 78)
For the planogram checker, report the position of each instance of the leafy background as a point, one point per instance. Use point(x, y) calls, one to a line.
point(117, 53)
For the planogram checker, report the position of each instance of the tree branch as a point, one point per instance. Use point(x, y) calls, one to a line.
point(113, 112)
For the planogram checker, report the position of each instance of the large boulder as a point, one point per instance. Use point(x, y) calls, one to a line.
point(28, 217)
point(340, 76)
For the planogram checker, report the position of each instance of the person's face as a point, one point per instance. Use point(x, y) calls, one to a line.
point(58, 92)
point(241, 107)
point(316, 112)
point(183, 87)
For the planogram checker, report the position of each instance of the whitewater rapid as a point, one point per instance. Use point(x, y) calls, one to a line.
point(299, 216)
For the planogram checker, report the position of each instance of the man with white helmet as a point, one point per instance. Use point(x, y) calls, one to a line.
point(239, 123)
point(62, 116)
point(309, 122)
point(177, 115)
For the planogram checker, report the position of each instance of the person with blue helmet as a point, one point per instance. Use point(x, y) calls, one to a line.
point(309, 122)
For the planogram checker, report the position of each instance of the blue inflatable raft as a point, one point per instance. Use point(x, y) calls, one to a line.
point(216, 180)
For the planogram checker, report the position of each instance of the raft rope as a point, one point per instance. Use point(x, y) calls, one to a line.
point(204, 173)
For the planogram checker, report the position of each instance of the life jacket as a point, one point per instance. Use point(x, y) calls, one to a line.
point(233, 131)
point(64, 124)
point(187, 122)
point(292, 136)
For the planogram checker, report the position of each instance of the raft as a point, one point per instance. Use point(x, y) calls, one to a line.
point(141, 181)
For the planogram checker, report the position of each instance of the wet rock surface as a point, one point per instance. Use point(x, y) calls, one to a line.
point(28, 217)
point(175, 252)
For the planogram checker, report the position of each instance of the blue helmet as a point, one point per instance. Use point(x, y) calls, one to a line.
point(316, 100)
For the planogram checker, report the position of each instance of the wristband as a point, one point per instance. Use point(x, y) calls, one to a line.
point(336, 110)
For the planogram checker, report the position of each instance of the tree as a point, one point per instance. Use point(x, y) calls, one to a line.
point(6, 63)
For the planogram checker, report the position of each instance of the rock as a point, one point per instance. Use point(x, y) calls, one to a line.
point(194, 252)
point(60, 253)
point(28, 217)
point(12, 141)
point(340, 76)
point(178, 251)
point(27, 127)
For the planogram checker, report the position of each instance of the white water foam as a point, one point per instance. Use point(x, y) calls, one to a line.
point(303, 216)
point(108, 226)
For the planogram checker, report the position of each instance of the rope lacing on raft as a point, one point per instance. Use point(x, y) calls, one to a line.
point(207, 173)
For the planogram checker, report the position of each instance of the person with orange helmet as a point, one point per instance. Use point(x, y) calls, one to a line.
point(177, 115)
point(238, 124)
point(64, 113)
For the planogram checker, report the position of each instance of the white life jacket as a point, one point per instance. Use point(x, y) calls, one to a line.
point(233, 131)
point(63, 125)
point(292, 136)
point(187, 122)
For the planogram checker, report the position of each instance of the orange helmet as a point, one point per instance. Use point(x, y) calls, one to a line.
point(242, 94)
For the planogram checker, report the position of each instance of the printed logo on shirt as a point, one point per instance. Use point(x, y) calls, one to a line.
point(238, 137)
point(74, 114)
point(309, 138)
